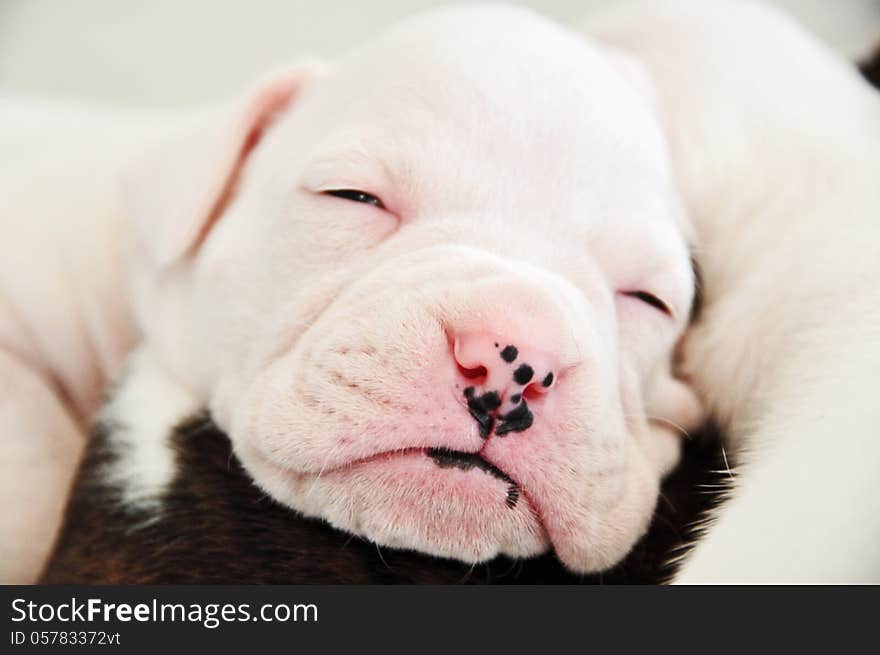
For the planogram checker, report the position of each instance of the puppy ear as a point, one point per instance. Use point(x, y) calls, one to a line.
point(175, 191)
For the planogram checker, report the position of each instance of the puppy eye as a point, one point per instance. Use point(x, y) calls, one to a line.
point(650, 299)
point(356, 196)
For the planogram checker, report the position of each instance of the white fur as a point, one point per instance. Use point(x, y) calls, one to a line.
point(41, 444)
point(64, 324)
point(142, 415)
point(776, 144)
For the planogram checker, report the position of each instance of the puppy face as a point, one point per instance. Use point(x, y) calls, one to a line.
point(434, 302)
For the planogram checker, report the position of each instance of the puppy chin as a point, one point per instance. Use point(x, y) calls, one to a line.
point(405, 500)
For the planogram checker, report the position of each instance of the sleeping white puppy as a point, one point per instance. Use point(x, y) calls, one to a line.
point(776, 144)
point(431, 292)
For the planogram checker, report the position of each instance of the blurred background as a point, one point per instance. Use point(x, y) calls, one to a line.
point(160, 52)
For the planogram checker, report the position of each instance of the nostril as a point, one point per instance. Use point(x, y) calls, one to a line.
point(478, 374)
point(469, 360)
point(538, 387)
point(532, 392)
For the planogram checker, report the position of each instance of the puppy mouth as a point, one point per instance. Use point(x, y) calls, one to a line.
point(446, 458)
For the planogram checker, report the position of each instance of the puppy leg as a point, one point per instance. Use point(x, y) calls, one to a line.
point(40, 445)
point(805, 506)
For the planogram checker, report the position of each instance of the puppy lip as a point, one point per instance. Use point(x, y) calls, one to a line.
point(446, 458)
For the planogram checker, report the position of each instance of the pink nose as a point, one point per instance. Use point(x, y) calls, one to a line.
point(500, 378)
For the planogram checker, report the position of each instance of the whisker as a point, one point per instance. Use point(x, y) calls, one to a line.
point(327, 459)
point(516, 563)
point(379, 550)
point(468, 574)
point(726, 464)
point(673, 424)
point(660, 419)
point(668, 502)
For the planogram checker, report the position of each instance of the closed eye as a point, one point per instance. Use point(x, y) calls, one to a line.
point(650, 299)
point(356, 196)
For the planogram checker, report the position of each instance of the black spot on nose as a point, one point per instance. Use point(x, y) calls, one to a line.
point(490, 401)
point(484, 420)
point(480, 407)
point(515, 398)
point(548, 380)
point(517, 420)
point(523, 374)
point(509, 353)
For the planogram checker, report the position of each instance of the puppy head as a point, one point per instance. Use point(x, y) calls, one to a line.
point(431, 292)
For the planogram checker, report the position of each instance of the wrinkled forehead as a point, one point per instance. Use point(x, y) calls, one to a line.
point(499, 103)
